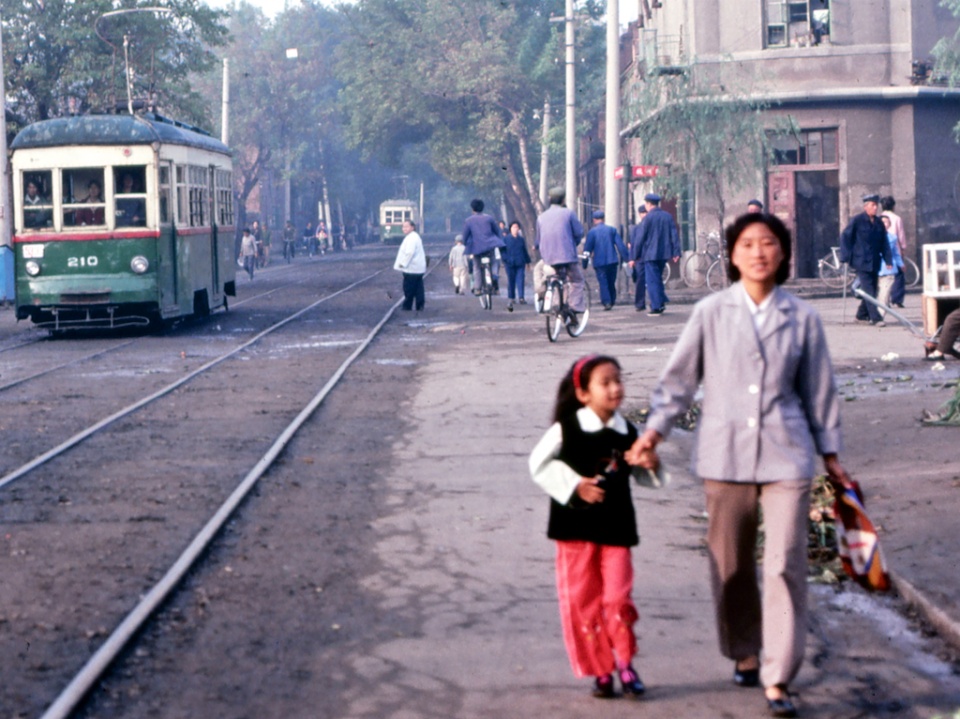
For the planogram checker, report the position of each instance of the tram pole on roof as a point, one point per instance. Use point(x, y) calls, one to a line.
point(127, 71)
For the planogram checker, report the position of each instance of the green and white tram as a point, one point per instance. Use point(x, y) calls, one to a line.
point(120, 221)
point(393, 213)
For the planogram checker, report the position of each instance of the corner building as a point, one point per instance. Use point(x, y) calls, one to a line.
point(854, 76)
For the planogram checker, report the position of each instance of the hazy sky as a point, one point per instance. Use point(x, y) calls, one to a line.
point(628, 8)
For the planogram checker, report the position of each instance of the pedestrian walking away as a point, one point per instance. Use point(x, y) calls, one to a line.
point(898, 292)
point(887, 276)
point(652, 243)
point(481, 237)
point(457, 261)
point(580, 463)
point(248, 251)
point(863, 246)
point(558, 236)
point(412, 262)
point(606, 249)
point(516, 259)
point(769, 405)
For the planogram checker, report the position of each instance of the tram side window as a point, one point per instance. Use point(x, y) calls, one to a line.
point(37, 207)
point(83, 197)
point(130, 194)
point(224, 184)
point(164, 192)
point(197, 177)
point(182, 214)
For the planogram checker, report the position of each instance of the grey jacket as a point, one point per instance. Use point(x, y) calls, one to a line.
point(769, 397)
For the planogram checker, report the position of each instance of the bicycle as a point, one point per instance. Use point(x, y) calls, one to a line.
point(833, 272)
point(717, 277)
point(486, 284)
point(695, 267)
point(558, 312)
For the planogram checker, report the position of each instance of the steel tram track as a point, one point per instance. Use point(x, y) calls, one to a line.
point(91, 672)
point(100, 353)
point(93, 429)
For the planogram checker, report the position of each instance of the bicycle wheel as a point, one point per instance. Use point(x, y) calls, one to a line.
point(911, 273)
point(832, 274)
point(552, 310)
point(717, 276)
point(667, 271)
point(694, 270)
point(575, 330)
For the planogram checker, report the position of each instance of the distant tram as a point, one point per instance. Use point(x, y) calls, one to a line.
point(121, 221)
point(392, 215)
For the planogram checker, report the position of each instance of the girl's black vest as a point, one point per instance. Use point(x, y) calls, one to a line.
point(589, 454)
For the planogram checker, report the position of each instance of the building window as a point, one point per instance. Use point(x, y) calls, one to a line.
point(801, 23)
point(808, 147)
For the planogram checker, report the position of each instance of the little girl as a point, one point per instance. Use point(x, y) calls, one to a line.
point(580, 463)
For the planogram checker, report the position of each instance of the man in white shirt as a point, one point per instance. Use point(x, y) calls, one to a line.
point(412, 262)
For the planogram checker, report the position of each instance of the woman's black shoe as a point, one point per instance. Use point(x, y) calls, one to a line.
point(746, 677)
point(782, 707)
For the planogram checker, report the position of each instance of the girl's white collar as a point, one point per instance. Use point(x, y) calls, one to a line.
point(591, 422)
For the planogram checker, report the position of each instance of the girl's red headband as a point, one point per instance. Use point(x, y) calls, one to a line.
point(578, 369)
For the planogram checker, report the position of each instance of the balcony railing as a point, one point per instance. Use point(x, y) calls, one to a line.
point(661, 54)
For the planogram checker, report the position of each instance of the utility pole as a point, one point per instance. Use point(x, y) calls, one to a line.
point(571, 140)
point(545, 155)
point(225, 111)
point(611, 197)
point(6, 213)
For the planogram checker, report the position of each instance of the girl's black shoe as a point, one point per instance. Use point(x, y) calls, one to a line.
point(632, 686)
point(603, 687)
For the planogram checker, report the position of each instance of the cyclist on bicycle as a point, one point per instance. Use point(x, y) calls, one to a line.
point(482, 238)
point(559, 233)
point(289, 241)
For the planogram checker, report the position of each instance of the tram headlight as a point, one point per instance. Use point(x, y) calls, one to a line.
point(32, 267)
point(139, 264)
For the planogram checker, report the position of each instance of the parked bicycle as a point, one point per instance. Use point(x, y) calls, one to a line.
point(695, 267)
point(558, 312)
point(717, 274)
point(831, 271)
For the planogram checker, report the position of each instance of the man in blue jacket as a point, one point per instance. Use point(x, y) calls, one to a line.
point(652, 243)
point(481, 238)
point(559, 233)
point(607, 251)
point(863, 246)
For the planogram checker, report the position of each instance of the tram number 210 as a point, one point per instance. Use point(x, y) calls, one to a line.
point(91, 261)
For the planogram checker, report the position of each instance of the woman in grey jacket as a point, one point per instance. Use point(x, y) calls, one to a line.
point(769, 406)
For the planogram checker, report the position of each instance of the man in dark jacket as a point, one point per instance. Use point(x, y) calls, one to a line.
point(652, 243)
point(481, 238)
point(863, 246)
point(607, 250)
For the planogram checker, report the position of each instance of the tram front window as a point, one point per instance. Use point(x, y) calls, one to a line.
point(130, 196)
point(37, 209)
point(83, 202)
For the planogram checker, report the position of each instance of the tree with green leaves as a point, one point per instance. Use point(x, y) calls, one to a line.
point(716, 135)
point(462, 78)
point(63, 56)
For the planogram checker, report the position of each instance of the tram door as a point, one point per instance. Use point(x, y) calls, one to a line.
point(168, 271)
